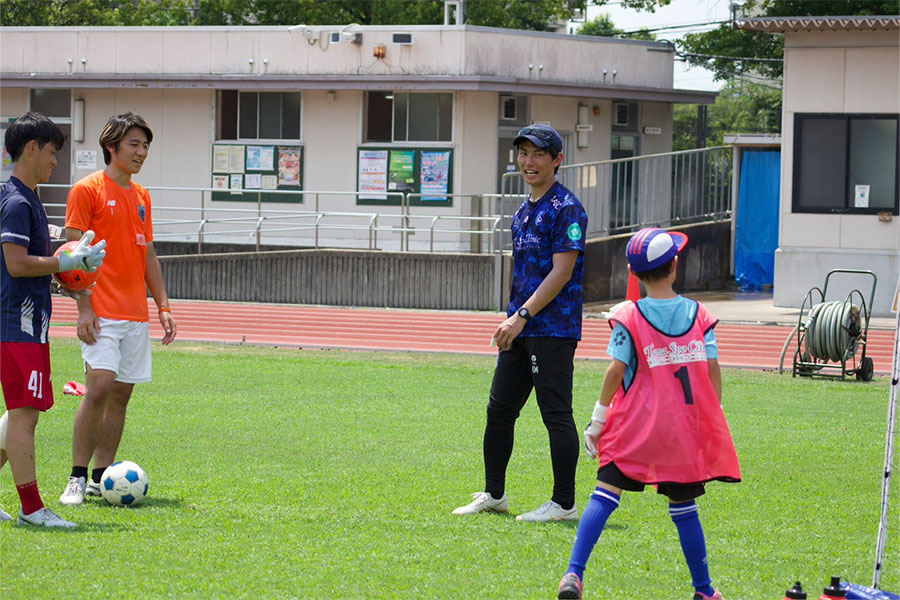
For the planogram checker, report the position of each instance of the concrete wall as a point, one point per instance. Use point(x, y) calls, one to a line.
point(335, 277)
point(836, 72)
point(436, 50)
point(656, 114)
point(702, 266)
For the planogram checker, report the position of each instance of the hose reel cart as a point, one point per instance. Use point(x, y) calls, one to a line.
point(830, 334)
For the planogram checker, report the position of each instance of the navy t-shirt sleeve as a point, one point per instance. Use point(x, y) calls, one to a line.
point(15, 221)
point(568, 230)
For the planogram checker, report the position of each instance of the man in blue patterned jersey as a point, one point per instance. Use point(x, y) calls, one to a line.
point(26, 264)
point(537, 341)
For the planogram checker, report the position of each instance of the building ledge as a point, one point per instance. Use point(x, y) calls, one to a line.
point(354, 82)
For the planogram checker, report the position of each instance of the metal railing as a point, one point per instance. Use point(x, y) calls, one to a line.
point(305, 227)
point(656, 190)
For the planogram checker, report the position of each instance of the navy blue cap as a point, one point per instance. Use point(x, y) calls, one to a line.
point(652, 247)
point(542, 136)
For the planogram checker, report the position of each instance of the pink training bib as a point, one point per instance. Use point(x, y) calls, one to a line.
point(668, 427)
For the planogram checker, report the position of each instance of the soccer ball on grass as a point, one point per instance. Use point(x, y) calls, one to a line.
point(124, 483)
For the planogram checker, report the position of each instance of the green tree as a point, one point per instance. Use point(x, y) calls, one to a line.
point(316, 12)
point(602, 25)
point(741, 107)
point(719, 50)
point(518, 14)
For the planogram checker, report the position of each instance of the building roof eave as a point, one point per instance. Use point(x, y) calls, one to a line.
point(508, 85)
point(797, 24)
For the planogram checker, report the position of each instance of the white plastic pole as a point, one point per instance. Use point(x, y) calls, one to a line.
point(888, 457)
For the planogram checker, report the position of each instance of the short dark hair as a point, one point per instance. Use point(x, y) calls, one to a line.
point(116, 129)
point(32, 126)
point(657, 274)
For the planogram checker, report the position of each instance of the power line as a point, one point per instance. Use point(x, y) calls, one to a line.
point(689, 55)
point(681, 26)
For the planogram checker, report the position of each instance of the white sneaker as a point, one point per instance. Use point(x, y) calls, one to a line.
point(92, 489)
point(550, 511)
point(483, 502)
point(4, 516)
point(74, 494)
point(44, 518)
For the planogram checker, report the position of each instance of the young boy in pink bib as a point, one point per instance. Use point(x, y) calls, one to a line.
point(659, 419)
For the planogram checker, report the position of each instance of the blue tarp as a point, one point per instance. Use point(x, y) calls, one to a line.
point(756, 230)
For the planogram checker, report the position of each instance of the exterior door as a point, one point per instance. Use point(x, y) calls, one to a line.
point(623, 191)
point(54, 199)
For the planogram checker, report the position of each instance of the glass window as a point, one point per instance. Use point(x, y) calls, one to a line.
point(258, 115)
point(401, 116)
point(228, 115)
point(379, 111)
point(248, 107)
point(821, 166)
point(873, 161)
point(846, 163)
point(52, 103)
point(409, 117)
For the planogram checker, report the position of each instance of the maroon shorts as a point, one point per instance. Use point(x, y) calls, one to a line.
point(25, 375)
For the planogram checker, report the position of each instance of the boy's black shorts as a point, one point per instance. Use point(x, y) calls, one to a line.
point(679, 492)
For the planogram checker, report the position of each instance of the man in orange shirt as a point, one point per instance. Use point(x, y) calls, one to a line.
point(113, 322)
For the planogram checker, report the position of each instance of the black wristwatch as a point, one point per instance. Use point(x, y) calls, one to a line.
point(523, 312)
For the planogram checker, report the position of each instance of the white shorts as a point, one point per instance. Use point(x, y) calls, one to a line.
point(122, 347)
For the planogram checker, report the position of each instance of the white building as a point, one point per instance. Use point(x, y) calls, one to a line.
point(431, 110)
point(840, 160)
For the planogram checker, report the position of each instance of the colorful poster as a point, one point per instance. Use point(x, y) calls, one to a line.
point(435, 174)
point(289, 165)
point(253, 181)
point(270, 182)
point(373, 173)
point(220, 159)
point(237, 183)
point(260, 158)
point(220, 182)
point(235, 159)
point(401, 174)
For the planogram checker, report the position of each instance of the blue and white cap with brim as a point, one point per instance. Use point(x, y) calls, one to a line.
point(653, 247)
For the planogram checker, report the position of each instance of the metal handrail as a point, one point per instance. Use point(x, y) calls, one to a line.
point(259, 221)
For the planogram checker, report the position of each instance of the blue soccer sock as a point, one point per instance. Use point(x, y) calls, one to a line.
point(602, 504)
point(693, 544)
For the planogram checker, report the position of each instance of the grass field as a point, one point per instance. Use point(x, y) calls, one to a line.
point(309, 474)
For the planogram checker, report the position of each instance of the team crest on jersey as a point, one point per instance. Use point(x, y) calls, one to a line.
point(574, 232)
point(693, 351)
point(141, 211)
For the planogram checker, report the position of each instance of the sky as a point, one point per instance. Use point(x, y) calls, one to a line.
point(678, 13)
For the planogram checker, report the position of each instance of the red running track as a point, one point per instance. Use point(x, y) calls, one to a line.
point(402, 330)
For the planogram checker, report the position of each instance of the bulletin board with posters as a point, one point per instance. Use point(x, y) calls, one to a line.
point(425, 171)
point(240, 172)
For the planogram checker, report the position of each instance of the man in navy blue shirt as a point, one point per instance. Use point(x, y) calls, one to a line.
point(537, 341)
point(26, 263)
